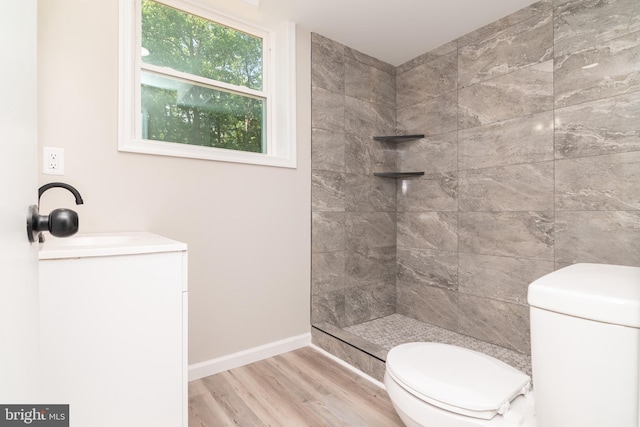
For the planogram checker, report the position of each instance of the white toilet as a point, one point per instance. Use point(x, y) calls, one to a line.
point(585, 352)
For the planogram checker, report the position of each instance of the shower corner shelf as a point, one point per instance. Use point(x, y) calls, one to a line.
point(398, 174)
point(398, 138)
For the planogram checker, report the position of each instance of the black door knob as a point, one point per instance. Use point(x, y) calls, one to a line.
point(60, 222)
point(63, 222)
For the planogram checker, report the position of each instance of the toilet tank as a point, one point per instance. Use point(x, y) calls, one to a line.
point(585, 346)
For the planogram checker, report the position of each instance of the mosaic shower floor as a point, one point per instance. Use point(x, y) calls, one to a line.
point(395, 329)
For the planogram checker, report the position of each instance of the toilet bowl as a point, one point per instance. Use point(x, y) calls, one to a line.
point(585, 341)
point(455, 387)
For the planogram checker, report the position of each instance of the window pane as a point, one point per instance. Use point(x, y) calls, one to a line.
point(188, 43)
point(176, 111)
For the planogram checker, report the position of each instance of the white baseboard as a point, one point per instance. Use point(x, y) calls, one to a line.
point(348, 366)
point(245, 357)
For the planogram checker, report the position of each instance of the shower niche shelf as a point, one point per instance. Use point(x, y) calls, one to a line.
point(398, 139)
point(398, 174)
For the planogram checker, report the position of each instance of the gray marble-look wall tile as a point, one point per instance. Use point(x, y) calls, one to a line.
point(600, 71)
point(523, 187)
point(610, 182)
point(426, 57)
point(427, 81)
point(582, 23)
point(499, 278)
point(483, 32)
point(328, 307)
point(605, 126)
point(318, 40)
point(434, 192)
point(328, 109)
point(327, 150)
point(350, 354)
point(516, 234)
point(365, 156)
point(327, 63)
point(517, 94)
point(368, 60)
point(432, 154)
point(327, 272)
point(347, 337)
point(509, 20)
point(428, 230)
point(559, 265)
point(369, 302)
point(369, 83)
point(516, 47)
point(327, 231)
point(597, 111)
point(525, 139)
point(371, 266)
point(609, 237)
point(497, 322)
point(327, 191)
point(368, 119)
point(433, 117)
point(427, 267)
point(429, 304)
point(365, 230)
point(366, 193)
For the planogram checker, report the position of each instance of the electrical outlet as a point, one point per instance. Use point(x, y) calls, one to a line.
point(52, 161)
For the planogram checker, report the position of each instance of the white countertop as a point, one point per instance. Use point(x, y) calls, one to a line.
point(107, 244)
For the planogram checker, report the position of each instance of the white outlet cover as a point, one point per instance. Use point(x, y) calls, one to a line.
point(52, 161)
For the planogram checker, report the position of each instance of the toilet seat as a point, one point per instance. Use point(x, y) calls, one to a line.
point(456, 379)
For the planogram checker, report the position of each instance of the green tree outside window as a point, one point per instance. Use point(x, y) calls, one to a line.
point(200, 111)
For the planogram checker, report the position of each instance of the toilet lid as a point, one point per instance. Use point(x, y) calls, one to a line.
point(456, 379)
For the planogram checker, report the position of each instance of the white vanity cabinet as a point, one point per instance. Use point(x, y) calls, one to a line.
point(113, 329)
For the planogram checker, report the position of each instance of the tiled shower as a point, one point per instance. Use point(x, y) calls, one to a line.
point(531, 161)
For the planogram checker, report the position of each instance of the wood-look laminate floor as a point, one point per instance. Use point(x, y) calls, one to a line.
point(299, 388)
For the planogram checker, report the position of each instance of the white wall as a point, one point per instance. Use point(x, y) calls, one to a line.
point(247, 226)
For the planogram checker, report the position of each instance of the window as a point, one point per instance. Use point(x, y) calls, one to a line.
point(195, 83)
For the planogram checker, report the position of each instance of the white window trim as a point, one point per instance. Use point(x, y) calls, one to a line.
point(279, 75)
